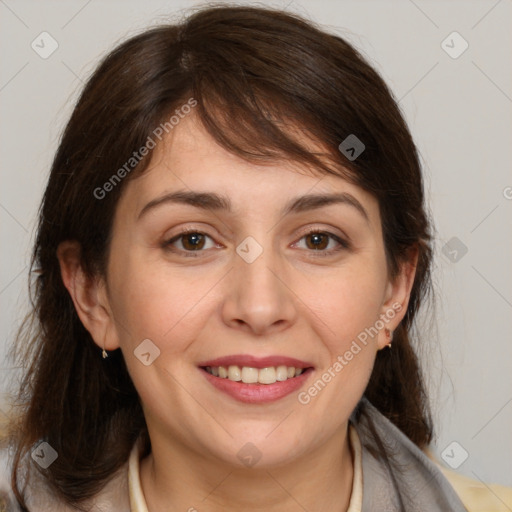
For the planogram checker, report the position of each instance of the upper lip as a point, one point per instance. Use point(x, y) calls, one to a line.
point(256, 362)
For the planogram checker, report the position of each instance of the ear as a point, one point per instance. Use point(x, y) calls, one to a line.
point(89, 296)
point(398, 292)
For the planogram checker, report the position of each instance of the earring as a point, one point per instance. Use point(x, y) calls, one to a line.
point(104, 352)
point(389, 336)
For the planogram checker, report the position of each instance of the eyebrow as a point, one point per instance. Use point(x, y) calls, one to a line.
point(217, 202)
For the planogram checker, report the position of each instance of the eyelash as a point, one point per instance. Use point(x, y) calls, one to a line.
point(343, 244)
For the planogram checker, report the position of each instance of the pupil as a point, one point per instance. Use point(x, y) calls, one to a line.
point(317, 239)
point(196, 240)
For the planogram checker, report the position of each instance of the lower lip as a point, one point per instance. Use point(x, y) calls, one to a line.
point(258, 393)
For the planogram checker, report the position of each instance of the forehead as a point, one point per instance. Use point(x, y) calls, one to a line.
point(189, 159)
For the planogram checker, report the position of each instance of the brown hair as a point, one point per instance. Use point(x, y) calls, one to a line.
point(240, 64)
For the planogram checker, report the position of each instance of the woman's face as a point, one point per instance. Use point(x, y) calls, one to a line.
point(246, 284)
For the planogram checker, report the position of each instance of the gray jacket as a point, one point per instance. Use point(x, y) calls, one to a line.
point(407, 478)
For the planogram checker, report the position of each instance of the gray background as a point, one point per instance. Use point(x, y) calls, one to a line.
point(458, 110)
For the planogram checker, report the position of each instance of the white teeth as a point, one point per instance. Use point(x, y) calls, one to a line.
point(267, 375)
point(281, 373)
point(234, 373)
point(249, 375)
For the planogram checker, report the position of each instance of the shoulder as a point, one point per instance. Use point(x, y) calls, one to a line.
point(452, 492)
point(39, 496)
point(396, 471)
point(476, 495)
point(7, 500)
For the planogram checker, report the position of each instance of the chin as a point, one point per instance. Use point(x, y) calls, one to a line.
point(261, 452)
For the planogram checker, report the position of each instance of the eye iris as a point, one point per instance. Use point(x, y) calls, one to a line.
point(317, 241)
point(197, 241)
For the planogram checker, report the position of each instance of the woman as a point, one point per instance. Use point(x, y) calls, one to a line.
point(232, 238)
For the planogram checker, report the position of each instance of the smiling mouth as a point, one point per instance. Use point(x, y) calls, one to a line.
point(250, 375)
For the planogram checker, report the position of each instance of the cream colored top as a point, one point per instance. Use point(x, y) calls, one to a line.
point(138, 502)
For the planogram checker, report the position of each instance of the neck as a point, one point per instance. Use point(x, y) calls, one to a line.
point(322, 480)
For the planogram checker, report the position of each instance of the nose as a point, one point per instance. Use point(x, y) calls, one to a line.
point(259, 298)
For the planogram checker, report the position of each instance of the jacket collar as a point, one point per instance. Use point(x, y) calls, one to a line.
point(408, 477)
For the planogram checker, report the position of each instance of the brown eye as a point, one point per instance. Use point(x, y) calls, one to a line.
point(192, 241)
point(319, 241)
point(189, 242)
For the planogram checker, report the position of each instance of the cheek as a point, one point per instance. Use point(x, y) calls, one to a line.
point(346, 307)
point(169, 307)
point(347, 302)
point(159, 303)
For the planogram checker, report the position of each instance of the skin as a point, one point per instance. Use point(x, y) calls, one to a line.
point(290, 301)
